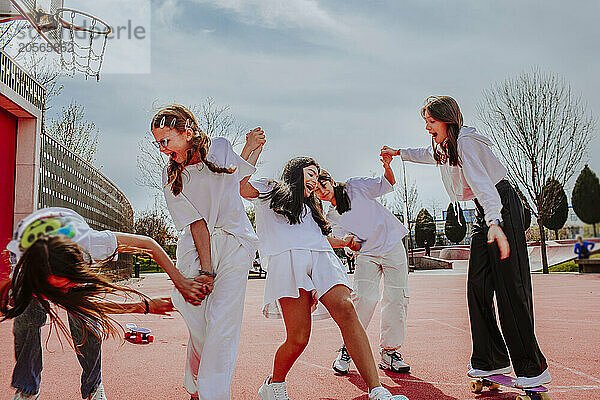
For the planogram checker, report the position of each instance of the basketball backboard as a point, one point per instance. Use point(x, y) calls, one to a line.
point(39, 13)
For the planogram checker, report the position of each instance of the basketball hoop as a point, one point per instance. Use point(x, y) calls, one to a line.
point(82, 50)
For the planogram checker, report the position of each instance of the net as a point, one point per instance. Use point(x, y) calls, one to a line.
point(83, 41)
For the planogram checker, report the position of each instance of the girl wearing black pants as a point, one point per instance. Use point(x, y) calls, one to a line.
point(470, 171)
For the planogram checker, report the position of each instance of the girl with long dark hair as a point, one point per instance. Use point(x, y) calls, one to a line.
point(498, 262)
point(217, 245)
point(57, 259)
point(303, 271)
point(381, 256)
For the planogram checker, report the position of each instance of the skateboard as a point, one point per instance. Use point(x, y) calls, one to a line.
point(136, 334)
point(494, 382)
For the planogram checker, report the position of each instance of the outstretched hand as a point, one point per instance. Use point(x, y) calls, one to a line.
point(255, 139)
point(160, 305)
point(496, 234)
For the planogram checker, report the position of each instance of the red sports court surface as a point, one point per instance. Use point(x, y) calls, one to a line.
point(438, 345)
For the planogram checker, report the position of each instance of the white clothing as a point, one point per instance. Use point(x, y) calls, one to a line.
point(295, 269)
point(214, 197)
point(477, 175)
point(100, 245)
point(215, 325)
point(375, 226)
point(394, 302)
point(275, 231)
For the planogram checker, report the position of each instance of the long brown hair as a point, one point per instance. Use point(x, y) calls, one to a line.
point(340, 192)
point(180, 118)
point(84, 299)
point(445, 109)
point(287, 196)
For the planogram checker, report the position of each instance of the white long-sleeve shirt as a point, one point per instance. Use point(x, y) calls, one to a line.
point(475, 178)
point(368, 219)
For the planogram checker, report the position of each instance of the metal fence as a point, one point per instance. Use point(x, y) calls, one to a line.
point(16, 78)
point(66, 180)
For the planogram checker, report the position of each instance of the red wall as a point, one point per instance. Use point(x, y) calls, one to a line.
point(8, 147)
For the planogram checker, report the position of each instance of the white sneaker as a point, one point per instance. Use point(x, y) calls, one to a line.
point(273, 390)
point(21, 396)
point(381, 393)
point(480, 373)
point(524, 382)
point(98, 394)
point(391, 360)
point(341, 365)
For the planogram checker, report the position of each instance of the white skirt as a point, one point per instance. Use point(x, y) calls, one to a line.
point(292, 270)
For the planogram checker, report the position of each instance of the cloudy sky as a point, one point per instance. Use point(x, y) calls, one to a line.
point(334, 79)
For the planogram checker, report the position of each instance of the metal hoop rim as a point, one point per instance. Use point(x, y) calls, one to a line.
point(68, 25)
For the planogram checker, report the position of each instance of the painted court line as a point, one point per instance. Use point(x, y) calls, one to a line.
point(574, 371)
point(441, 323)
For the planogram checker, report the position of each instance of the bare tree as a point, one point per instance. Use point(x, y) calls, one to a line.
point(213, 119)
point(75, 132)
point(435, 206)
point(155, 223)
point(542, 130)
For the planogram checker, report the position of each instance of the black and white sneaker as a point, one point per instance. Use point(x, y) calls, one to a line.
point(341, 365)
point(391, 360)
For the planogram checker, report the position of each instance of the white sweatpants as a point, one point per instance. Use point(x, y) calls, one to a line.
point(215, 325)
point(394, 268)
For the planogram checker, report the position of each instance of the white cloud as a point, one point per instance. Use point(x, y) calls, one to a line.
point(280, 13)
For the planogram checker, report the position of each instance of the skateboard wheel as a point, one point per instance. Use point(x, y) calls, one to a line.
point(494, 386)
point(476, 386)
point(150, 338)
point(523, 398)
point(544, 396)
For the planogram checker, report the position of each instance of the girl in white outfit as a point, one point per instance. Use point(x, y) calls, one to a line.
point(201, 188)
point(355, 210)
point(301, 270)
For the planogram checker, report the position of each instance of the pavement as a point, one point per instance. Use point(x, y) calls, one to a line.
point(438, 347)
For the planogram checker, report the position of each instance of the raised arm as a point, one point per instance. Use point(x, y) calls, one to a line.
point(128, 242)
point(386, 159)
point(255, 140)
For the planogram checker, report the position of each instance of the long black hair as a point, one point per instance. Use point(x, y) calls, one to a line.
point(287, 196)
point(340, 192)
point(57, 255)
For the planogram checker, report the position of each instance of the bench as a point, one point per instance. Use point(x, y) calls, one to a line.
point(587, 265)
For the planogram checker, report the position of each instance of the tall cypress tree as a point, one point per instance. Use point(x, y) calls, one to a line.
point(586, 197)
point(455, 227)
point(556, 208)
point(424, 228)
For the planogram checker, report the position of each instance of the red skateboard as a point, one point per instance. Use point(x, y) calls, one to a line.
point(493, 382)
point(136, 334)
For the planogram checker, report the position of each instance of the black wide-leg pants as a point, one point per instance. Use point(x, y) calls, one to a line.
point(510, 281)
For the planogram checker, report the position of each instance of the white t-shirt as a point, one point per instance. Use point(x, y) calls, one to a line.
point(100, 245)
point(214, 197)
point(275, 232)
point(368, 220)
